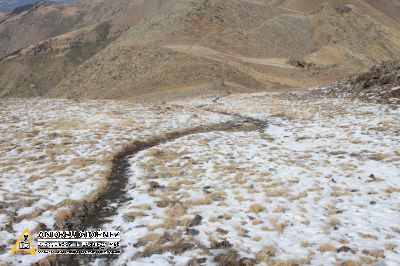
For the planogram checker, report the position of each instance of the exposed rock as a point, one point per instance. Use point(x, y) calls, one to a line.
point(196, 220)
point(300, 63)
point(343, 249)
point(192, 232)
point(380, 84)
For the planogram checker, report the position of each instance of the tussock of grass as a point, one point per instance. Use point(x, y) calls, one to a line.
point(278, 226)
point(351, 263)
point(326, 248)
point(377, 253)
point(391, 190)
point(203, 201)
point(134, 214)
point(390, 246)
point(256, 208)
point(367, 260)
point(63, 214)
point(34, 178)
point(334, 222)
point(266, 253)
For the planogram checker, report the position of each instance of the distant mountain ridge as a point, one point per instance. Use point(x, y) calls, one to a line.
point(175, 48)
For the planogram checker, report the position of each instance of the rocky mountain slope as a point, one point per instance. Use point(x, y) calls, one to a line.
point(380, 84)
point(40, 66)
point(183, 48)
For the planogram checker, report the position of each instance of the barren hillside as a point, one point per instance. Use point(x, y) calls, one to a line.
point(177, 48)
point(35, 69)
point(203, 46)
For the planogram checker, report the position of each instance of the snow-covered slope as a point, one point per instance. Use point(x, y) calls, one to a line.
point(316, 184)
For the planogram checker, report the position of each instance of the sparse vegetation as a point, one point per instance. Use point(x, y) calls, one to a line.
point(227, 187)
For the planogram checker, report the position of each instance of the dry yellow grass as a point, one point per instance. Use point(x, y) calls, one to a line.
point(141, 207)
point(367, 260)
point(334, 222)
point(279, 209)
point(134, 214)
point(33, 178)
point(379, 156)
point(30, 216)
point(176, 211)
point(326, 248)
point(265, 254)
point(278, 226)
point(305, 244)
point(149, 238)
point(256, 208)
point(256, 238)
point(377, 253)
point(203, 201)
point(390, 246)
point(63, 214)
point(351, 263)
point(273, 192)
point(390, 190)
point(363, 235)
point(290, 262)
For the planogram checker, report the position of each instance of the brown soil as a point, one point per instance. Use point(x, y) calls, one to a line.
point(174, 48)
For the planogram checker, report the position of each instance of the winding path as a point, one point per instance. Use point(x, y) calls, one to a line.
point(106, 206)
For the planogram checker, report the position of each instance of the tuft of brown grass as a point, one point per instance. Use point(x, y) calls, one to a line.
point(141, 207)
point(203, 201)
point(290, 262)
point(334, 222)
point(275, 193)
point(133, 214)
point(390, 246)
point(377, 253)
point(279, 226)
point(33, 178)
point(265, 254)
point(63, 214)
point(256, 208)
point(368, 236)
point(367, 260)
point(326, 248)
point(256, 238)
point(279, 209)
point(351, 263)
point(149, 238)
point(30, 216)
point(379, 156)
point(176, 211)
point(390, 190)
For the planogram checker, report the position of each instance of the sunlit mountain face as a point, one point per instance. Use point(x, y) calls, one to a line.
point(11, 4)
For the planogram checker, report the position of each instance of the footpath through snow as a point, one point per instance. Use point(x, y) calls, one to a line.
point(317, 185)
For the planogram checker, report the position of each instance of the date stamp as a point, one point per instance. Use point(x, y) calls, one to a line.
point(79, 242)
